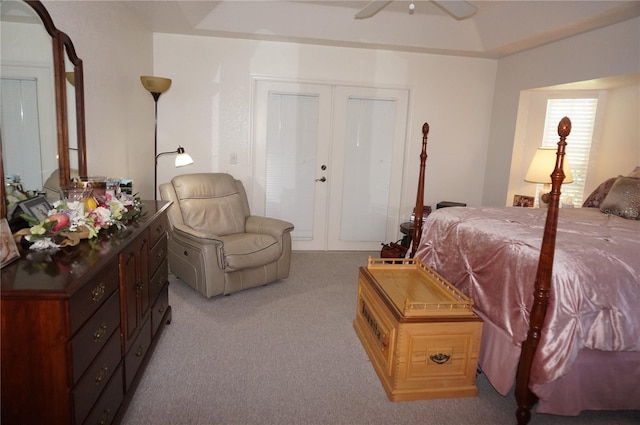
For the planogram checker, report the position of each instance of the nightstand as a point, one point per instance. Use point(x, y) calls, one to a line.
point(407, 228)
point(407, 231)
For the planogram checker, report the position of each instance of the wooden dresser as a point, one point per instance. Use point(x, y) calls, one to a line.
point(79, 325)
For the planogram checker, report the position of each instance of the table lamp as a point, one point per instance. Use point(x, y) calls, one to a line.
point(542, 165)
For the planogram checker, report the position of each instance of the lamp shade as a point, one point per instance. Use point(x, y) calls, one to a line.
point(155, 84)
point(71, 77)
point(543, 164)
point(183, 158)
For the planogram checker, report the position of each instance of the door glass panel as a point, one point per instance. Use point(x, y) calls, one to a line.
point(367, 171)
point(292, 138)
point(22, 157)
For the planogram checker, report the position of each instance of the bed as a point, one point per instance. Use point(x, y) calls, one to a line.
point(558, 289)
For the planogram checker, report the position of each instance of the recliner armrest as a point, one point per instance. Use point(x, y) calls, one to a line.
point(267, 225)
point(195, 235)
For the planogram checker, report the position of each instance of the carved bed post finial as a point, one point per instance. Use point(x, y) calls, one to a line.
point(525, 398)
point(417, 225)
point(564, 127)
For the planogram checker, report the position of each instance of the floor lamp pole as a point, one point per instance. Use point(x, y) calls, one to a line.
point(156, 96)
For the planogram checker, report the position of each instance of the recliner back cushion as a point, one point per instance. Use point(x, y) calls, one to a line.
point(210, 202)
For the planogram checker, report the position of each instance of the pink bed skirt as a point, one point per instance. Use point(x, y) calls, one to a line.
point(598, 380)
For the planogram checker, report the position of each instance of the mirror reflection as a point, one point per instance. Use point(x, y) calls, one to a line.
point(28, 119)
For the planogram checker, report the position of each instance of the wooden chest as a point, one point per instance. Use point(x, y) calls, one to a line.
point(419, 331)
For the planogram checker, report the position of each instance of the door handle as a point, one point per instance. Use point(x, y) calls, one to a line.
point(322, 179)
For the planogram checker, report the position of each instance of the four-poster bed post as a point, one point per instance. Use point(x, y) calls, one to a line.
point(525, 398)
point(417, 225)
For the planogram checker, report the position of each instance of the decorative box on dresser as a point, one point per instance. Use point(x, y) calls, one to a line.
point(78, 325)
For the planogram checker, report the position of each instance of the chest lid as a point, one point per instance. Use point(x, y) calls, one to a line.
point(416, 290)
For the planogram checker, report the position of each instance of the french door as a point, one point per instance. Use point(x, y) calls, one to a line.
point(329, 159)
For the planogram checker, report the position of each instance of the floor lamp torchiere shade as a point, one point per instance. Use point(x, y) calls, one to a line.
point(156, 86)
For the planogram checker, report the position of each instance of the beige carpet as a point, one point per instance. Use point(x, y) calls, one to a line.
point(287, 354)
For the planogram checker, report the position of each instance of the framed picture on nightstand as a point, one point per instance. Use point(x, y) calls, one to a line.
point(523, 201)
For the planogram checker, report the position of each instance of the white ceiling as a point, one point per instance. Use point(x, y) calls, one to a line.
point(498, 29)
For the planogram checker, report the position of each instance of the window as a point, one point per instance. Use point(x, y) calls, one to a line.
point(582, 112)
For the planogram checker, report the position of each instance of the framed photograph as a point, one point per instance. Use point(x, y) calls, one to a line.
point(8, 248)
point(37, 207)
point(523, 201)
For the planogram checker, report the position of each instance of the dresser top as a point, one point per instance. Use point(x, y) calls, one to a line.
point(62, 272)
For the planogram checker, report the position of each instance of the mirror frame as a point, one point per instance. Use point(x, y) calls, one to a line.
point(61, 45)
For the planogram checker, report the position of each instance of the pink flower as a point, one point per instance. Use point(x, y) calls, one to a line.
point(101, 217)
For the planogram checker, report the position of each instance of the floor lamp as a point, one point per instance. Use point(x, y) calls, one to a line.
point(156, 86)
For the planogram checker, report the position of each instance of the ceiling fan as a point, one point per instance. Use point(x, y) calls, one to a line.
point(458, 9)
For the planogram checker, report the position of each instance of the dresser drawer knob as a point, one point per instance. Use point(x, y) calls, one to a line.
point(100, 333)
point(103, 419)
point(161, 309)
point(140, 351)
point(102, 374)
point(98, 292)
point(160, 254)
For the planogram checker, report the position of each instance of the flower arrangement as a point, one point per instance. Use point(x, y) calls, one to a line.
point(69, 221)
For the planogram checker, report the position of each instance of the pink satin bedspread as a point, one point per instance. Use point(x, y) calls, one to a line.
point(491, 254)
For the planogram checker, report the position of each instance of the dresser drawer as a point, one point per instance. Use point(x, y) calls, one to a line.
point(94, 381)
point(159, 228)
point(92, 295)
point(105, 410)
point(159, 309)
point(159, 280)
point(93, 336)
point(157, 254)
point(134, 357)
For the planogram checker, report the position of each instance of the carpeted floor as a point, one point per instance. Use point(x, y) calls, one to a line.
point(287, 354)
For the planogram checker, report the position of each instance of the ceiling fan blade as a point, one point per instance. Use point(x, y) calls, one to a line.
point(371, 9)
point(458, 9)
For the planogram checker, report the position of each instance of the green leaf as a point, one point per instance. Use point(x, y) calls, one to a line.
point(31, 220)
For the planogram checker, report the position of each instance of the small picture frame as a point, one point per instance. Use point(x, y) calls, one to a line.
point(523, 201)
point(37, 207)
point(8, 248)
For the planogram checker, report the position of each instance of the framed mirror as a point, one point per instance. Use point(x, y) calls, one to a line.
point(42, 131)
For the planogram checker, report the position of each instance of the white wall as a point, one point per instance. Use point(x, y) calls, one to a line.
point(209, 106)
point(115, 50)
point(619, 151)
point(609, 51)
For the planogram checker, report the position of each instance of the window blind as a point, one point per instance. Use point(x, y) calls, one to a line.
point(582, 113)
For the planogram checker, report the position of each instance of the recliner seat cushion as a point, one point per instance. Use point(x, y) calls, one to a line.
point(249, 250)
point(210, 203)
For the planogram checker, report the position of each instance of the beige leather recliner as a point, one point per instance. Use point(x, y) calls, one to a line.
point(215, 244)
